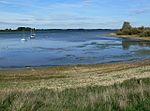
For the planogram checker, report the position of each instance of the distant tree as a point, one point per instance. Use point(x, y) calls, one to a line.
point(7, 30)
point(141, 28)
point(23, 29)
point(126, 26)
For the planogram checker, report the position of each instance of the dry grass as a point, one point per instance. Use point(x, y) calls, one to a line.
point(77, 88)
point(136, 37)
point(63, 77)
point(128, 96)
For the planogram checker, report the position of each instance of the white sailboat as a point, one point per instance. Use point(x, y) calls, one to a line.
point(32, 34)
point(24, 38)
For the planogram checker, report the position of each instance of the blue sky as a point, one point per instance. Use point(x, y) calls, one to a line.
point(73, 13)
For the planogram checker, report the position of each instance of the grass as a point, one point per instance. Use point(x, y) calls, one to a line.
point(134, 37)
point(99, 87)
point(130, 95)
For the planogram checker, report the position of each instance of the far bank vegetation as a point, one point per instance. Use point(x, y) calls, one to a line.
point(127, 29)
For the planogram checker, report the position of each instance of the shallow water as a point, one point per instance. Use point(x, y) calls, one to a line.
point(68, 47)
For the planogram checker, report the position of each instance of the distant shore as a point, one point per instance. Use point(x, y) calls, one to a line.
point(134, 37)
point(29, 29)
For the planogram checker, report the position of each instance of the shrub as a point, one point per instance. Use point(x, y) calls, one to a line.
point(134, 31)
point(145, 33)
point(124, 32)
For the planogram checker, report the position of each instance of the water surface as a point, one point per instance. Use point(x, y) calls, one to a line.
point(68, 47)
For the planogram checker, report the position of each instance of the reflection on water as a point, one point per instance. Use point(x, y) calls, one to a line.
point(68, 47)
point(127, 43)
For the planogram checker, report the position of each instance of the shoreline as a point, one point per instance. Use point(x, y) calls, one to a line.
point(68, 65)
point(134, 37)
point(64, 77)
point(72, 65)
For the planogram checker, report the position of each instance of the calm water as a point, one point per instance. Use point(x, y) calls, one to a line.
point(68, 47)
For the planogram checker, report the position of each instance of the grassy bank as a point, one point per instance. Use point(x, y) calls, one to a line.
point(100, 87)
point(131, 95)
point(133, 37)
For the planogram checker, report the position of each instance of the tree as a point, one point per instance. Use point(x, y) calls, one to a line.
point(23, 29)
point(126, 26)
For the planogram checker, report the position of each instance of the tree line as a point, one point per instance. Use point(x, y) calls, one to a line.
point(18, 29)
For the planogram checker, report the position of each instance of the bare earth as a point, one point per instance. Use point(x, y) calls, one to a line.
point(62, 77)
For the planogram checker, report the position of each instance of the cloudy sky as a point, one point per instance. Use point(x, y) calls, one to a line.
point(73, 13)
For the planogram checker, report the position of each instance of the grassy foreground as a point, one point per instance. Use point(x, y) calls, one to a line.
point(110, 87)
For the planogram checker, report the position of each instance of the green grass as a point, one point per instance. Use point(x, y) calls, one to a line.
point(131, 95)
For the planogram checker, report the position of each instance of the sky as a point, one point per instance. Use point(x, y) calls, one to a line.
point(67, 14)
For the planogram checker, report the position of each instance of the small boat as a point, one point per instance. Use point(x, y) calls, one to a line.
point(24, 38)
point(32, 37)
point(32, 34)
